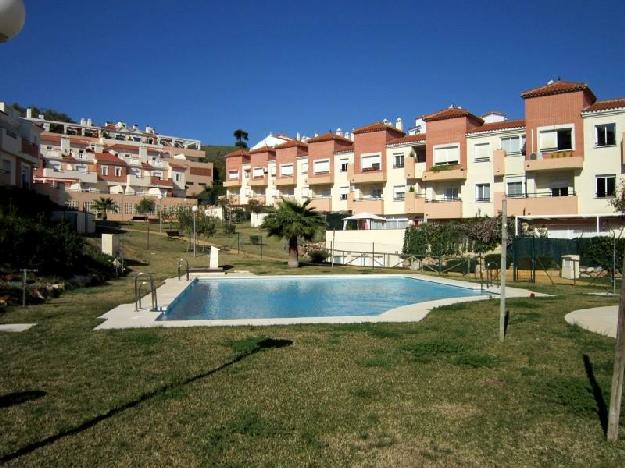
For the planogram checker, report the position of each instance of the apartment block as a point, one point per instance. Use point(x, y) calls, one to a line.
point(82, 162)
point(19, 148)
point(558, 166)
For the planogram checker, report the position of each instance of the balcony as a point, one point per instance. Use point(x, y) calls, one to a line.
point(413, 169)
point(320, 178)
point(542, 203)
point(556, 161)
point(443, 208)
point(232, 183)
point(259, 198)
point(365, 205)
point(285, 180)
point(447, 172)
point(90, 177)
point(138, 181)
point(30, 148)
point(499, 162)
point(414, 202)
point(321, 203)
point(259, 181)
point(371, 174)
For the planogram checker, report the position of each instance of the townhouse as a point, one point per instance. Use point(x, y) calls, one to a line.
point(559, 166)
point(81, 162)
point(19, 148)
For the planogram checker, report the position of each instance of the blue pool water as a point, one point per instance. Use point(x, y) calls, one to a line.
point(247, 298)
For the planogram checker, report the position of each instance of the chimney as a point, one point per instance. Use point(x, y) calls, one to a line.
point(386, 122)
point(89, 122)
point(351, 135)
point(29, 113)
point(41, 116)
point(83, 121)
point(298, 137)
point(399, 124)
point(338, 131)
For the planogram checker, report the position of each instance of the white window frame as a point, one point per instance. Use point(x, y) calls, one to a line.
point(519, 138)
point(304, 167)
point(104, 170)
point(399, 192)
point(258, 172)
point(515, 179)
point(371, 159)
point(343, 193)
point(445, 160)
point(117, 171)
point(478, 156)
point(605, 178)
point(554, 128)
point(343, 164)
point(453, 197)
point(604, 126)
point(403, 160)
point(479, 193)
point(233, 175)
point(289, 173)
point(318, 162)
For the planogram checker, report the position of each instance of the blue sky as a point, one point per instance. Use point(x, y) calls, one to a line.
point(201, 69)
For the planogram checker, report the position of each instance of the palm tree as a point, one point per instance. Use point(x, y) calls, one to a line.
point(102, 205)
point(291, 221)
point(241, 136)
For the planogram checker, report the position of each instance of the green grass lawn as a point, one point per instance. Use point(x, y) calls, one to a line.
point(439, 392)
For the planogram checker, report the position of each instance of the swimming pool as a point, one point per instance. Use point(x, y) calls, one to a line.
point(316, 296)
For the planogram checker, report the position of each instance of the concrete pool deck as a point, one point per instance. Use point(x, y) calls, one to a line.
point(602, 320)
point(125, 315)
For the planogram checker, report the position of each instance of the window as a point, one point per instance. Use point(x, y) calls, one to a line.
point(6, 167)
point(272, 170)
point(398, 160)
point(344, 163)
point(343, 191)
point(118, 172)
point(376, 192)
point(104, 170)
point(513, 145)
point(324, 192)
point(482, 192)
point(399, 192)
point(515, 189)
point(258, 172)
point(606, 185)
point(560, 191)
point(233, 175)
point(482, 152)
point(286, 170)
point(321, 166)
point(305, 167)
point(605, 135)
point(556, 140)
point(446, 155)
point(80, 168)
point(177, 176)
point(158, 174)
point(370, 162)
point(452, 193)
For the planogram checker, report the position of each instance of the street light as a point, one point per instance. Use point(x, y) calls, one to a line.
point(194, 209)
point(12, 16)
point(160, 217)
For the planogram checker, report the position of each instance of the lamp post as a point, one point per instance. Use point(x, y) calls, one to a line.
point(160, 217)
point(12, 16)
point(194, 209)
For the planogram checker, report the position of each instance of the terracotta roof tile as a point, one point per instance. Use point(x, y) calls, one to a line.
point(177, 165)
point(330, 136)
point(452, 113)
point(263, 149)
point(489, 127)
point(378, 127)
point(161, 183)
point(147, 167)
point(109, 159)
point(238, 152)
point(408, 139)
point(618, 103)
point(557, 87)
point(292, 144)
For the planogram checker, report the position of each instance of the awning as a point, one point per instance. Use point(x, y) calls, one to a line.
point(364, 216)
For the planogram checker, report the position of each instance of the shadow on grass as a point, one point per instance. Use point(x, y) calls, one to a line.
point(17, 398)
point(597, 393)
point(260, 344)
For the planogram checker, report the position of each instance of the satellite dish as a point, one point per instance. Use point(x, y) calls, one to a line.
point(12, 16)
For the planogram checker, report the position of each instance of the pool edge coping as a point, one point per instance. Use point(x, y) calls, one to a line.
point(125, 315)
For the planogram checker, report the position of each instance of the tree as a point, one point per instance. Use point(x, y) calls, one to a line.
point(145, 206)
point(291, 221)
point(241, 137)
point(103, 205)
point(254, 206)
point(48, 114)
point(618, 202)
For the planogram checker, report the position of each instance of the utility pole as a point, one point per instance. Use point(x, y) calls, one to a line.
point(616, 393)
point(502, 277)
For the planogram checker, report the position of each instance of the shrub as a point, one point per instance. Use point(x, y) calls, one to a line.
point(318, 255)
point(229, 228)
point(459, 265)
point(493, 261)
point(255, 240)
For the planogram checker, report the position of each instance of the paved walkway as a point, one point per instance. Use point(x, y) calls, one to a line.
point(600, 320)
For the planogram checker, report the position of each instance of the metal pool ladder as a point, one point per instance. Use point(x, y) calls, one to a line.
point(185, 263)
point(138, 285)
